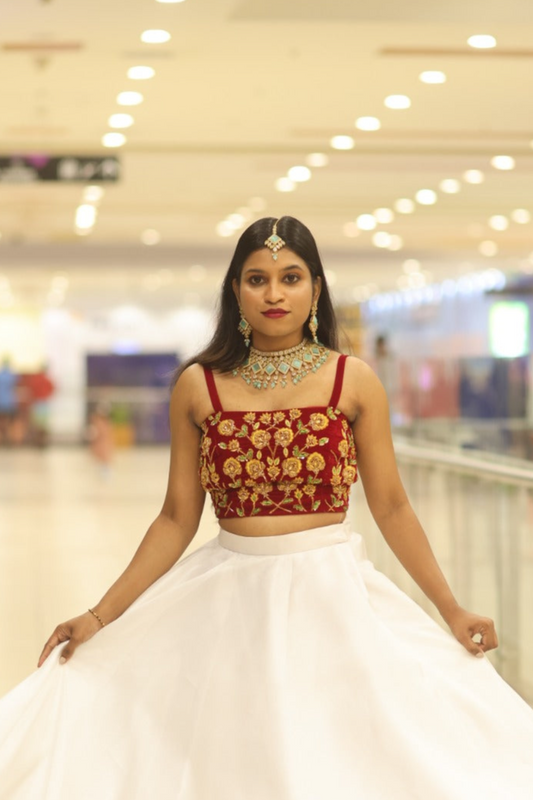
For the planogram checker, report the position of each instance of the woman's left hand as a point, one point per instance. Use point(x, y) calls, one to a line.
point(464, 625)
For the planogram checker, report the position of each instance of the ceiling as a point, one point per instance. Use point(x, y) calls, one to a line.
point(244, 90)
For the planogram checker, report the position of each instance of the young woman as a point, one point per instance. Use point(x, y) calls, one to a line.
point(274, 662)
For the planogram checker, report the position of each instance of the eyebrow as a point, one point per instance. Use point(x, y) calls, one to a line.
point(263, 272)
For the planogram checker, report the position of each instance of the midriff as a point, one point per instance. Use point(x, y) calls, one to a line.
point(277, 525)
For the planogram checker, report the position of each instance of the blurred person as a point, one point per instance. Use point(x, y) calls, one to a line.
point(8, 401)
point(101, 441)
point(274, 662)
point(41, 389)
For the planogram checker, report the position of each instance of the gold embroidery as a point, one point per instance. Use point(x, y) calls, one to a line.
point(286, 467)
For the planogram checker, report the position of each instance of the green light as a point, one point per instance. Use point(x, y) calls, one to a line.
point(509, 329)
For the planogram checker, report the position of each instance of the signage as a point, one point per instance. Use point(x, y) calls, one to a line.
point(63, 169)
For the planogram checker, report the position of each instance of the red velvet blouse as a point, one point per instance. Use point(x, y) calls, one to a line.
point(289, 461)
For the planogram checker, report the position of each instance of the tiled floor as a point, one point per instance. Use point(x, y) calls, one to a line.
point(67, 532)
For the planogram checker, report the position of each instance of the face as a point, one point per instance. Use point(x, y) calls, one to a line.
point(276, 298)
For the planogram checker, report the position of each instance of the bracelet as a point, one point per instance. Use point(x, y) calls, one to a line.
point(97, 617)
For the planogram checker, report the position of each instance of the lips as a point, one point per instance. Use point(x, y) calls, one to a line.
point(275, 313)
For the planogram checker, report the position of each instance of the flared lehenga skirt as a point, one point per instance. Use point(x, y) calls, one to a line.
point(268, 668)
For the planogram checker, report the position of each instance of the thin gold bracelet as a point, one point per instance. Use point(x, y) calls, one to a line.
point(97, 617)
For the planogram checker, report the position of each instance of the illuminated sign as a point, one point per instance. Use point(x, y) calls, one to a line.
point(509, 329)
point(65, 169)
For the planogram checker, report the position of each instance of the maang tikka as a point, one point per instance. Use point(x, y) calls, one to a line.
point(275, 242)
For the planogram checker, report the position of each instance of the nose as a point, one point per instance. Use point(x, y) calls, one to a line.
point(273, 292)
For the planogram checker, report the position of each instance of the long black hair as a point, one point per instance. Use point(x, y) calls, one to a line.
point(227, 349)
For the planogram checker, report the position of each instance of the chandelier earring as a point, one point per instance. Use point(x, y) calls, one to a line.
point(245, 328)
point(313, 321)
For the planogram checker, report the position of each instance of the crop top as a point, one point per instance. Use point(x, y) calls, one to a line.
point(287, 461)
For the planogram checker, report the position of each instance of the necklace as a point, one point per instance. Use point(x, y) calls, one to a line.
point(262, 370)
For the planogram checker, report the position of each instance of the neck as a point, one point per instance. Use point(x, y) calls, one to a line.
point(272, 343)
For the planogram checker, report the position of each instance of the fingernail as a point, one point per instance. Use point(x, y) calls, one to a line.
point(480, 655)
point(62, 660)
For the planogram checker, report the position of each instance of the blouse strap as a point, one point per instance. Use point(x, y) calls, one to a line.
point(337, 387)
point(212, 389)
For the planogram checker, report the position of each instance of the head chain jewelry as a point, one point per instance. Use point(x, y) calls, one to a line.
point(275, 242)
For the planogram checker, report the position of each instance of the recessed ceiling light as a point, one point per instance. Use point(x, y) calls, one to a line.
point(120, 121)
point(426, 197)
point(398, 101)
point(395, 242)
point(366, 222)
point(129, 98)
point(384, 215)
point(521, 215)
point(368, 123)
point(317, 160)
point(498, 222)
point(285, 185)
point(85, 216)
point(155, 36)
point(503, 162)
point(482, 41)
point(93, 194)
point(381, 239)
point(141, 73)
point(113, 140)
point(450, 186)
point(299, 174)
point(225, 230)
point(433, 76)
point(342, 143)
point(404, 206)
point(474, 176)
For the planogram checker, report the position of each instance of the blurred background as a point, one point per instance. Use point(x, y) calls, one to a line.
point(138, 139)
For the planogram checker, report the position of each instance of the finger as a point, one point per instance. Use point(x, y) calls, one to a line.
point(56, 638)
point(68, 651)
point(473, 647)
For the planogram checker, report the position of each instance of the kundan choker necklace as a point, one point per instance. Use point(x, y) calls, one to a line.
point(263, 369)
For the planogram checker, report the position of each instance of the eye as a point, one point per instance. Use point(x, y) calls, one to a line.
point(255, 280)
point(292, 277)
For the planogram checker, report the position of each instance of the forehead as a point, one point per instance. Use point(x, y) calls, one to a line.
point(262, 260)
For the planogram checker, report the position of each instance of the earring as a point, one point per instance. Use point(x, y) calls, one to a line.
point(313, 321)
point(245, 328)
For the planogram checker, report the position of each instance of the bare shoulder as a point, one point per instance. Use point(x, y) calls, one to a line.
point(189, 394)
point(361, 384)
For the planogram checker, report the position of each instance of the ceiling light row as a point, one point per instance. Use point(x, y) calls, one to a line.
point(244, 214)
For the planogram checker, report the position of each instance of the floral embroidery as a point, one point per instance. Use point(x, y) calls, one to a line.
point(318, 422)
point(260, 438)
point(283, 437)
point(281, 462)
point(291, 467)
point(255, 469)
point(226, 427)
point(232, 467)
point(315, 462)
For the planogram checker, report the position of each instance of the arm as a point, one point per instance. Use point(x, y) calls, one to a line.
point(395, 517)
point(167, 537)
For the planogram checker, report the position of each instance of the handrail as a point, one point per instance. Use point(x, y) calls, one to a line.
point(480, 467)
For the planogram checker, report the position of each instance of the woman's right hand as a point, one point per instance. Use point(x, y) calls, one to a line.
point(76, 631)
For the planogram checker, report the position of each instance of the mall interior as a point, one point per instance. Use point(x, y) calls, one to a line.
point(139, 138)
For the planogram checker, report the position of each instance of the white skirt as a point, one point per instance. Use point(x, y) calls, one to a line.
point(271, 668)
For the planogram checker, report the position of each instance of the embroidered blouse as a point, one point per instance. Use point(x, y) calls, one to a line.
point(288, 461)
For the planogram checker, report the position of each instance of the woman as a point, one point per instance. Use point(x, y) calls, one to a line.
point(274, 662)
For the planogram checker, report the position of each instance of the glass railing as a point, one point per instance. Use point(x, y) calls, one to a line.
point(477, 511)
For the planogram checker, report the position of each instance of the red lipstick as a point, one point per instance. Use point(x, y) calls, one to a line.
point(275, 313)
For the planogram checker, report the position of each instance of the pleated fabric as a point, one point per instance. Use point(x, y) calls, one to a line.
point(268, 668)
